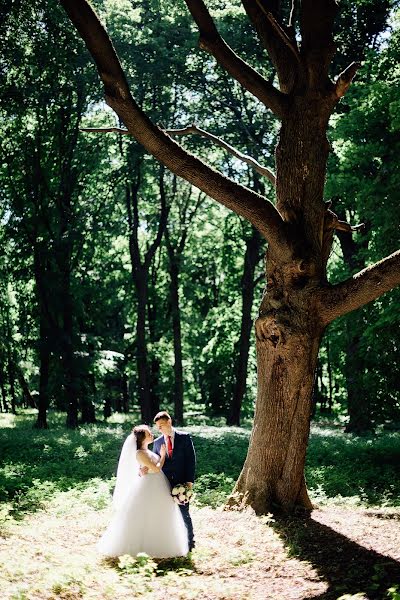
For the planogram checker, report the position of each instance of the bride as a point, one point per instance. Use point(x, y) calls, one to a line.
point(146, 519)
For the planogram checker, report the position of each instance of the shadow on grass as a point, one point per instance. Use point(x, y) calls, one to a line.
point(347, 567)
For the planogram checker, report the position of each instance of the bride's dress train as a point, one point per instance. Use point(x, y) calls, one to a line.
point(148, 521)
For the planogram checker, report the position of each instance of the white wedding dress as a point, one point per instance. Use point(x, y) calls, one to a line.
point(146, 518)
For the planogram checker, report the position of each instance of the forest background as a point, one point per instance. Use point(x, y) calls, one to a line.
point(124, 288)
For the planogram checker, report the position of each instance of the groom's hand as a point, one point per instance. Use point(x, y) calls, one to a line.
point(143, 471)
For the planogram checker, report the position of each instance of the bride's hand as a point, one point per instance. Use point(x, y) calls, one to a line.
point(163, 451)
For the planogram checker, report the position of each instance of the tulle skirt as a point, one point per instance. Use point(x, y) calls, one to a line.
point(147, 521)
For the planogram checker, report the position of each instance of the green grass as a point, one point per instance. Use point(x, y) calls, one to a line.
point(35, 465)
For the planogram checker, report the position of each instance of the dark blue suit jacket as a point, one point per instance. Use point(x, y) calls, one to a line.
point(181, 467)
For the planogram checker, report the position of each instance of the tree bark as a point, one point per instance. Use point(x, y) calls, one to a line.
point(40, 270)
point(29, 399)
point(44, 371)
point(286, 378)
point(251, 259)
point(154, 338)
point(288, 330)
point(140, 276)
point(71, 381)
point(125, 393)
point(10, 364)
point(4, 406)
point(357, 400)
point(177, 334)
point(142, 361)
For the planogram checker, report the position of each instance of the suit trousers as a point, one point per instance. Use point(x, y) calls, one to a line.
point(189, 525)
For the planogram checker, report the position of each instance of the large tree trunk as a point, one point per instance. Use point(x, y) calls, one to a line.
point(286, 377)
point(251, 258)
point(288, 330)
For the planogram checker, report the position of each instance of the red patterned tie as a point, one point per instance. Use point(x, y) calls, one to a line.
point(169, 446)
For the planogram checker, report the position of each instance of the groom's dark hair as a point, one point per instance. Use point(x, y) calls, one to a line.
point(161, 415)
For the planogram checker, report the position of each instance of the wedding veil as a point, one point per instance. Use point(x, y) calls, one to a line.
point(127, 472)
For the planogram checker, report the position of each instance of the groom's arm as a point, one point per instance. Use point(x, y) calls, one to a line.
point(190, 460)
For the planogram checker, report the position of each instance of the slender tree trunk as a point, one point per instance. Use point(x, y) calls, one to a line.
point(358, 407)
point(71, 383)
point(29, 399)
point(125, 393)
point(88, 414)
point(44, 371)
point(154, 361)
point(251, 258)
point(11, 381)
point(11, 364)
point(142, 360)
point(140, 275)
point(3, 392)
point(330, 378)
point(107, 407)
point(44, 335)
point(177, 334)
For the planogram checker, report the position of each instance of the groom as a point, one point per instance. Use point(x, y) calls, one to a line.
point(180, 461)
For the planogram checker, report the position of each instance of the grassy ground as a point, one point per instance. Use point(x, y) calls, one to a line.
point(55, 489)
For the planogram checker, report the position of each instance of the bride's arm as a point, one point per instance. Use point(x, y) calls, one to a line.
point(144, 460)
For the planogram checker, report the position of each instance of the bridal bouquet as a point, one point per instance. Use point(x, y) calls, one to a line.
point(181, 494)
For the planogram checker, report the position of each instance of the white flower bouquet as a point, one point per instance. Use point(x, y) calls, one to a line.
point(182, 493)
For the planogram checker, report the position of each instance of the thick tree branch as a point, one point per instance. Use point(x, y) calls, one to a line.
point(248, 77)
point(317, 44)
point(162, 224)
point(332, 221)
point(282, 49)
point(365, 286)
point(256, 209)
point(280, 32)
point(345, 78)
point(264, 171)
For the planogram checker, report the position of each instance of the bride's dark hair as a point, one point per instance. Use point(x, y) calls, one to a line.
point(140, 433)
